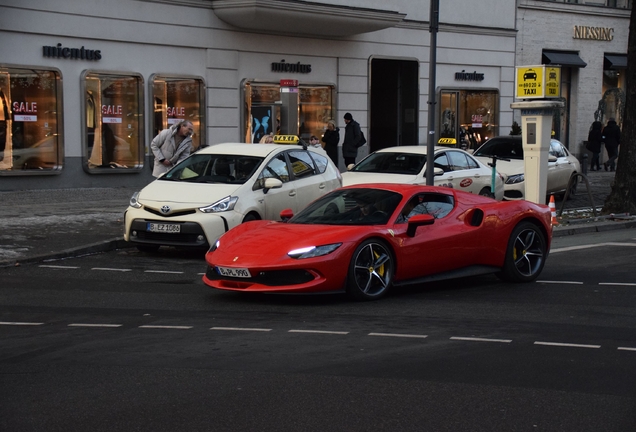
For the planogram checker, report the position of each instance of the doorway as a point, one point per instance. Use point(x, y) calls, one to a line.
point(394, 103)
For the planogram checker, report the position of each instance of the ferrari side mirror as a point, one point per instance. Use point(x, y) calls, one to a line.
point(418, 220)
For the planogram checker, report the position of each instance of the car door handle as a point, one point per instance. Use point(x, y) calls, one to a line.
point(321, 186)
point(292, 193)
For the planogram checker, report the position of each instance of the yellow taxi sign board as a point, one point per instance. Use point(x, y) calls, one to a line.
point(286, 139)
point(537, 82)
point(447, 141)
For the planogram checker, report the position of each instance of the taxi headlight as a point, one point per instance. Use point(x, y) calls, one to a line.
point(134, 201)
point(313, 251)
point(222, 205)
point(513, 179)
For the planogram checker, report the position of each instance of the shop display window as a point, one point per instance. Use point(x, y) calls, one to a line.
point(175, 99)
point(31, 139)
point(263, 106)
point(113, 122)
point(468, 117)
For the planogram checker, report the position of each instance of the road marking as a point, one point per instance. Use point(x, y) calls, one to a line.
point(319, 332)
point(165, 327)
point(93, 325)
point(111, 269)
point(20, 323)
point(617, 283)
point(588, 246)
point(480, 339)
point(566, 344)
point(241, 329)
point(163, 271)
point(560, 282)
point(399, 335)
point(626, 349)
point(58, 266)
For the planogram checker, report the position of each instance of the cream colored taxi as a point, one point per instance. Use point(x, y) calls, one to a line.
point(454, 168)
point(223, 185)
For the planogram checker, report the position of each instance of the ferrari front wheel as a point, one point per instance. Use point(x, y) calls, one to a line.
point(370, 271)
point(525, 255)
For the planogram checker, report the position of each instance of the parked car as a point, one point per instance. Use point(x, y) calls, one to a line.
point(364, 239)
point(562, 165)
point(223, 185)
point(454, 168)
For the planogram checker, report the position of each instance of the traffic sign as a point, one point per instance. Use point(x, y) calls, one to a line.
point(537, 82)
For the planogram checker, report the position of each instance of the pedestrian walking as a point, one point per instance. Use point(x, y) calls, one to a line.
point(331, 138)
point(594, 142)
point(171, 146)
point(353, 139)
point(612, 139)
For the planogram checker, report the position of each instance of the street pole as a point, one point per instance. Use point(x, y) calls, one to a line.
point(430, 143)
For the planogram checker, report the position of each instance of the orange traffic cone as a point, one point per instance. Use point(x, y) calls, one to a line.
point(553, 211)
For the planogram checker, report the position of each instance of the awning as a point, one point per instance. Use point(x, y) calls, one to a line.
point(562, 58)
point(615, 61)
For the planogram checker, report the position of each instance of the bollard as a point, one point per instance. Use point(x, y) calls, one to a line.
point(584, 168)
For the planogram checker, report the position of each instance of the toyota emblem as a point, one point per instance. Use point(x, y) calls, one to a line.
point(165, 209)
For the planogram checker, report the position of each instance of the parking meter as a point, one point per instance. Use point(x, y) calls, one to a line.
point(536, 126)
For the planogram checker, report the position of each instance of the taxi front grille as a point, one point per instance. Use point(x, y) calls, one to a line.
point(173, 214)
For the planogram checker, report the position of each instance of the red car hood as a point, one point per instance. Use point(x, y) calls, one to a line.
point(261, 238)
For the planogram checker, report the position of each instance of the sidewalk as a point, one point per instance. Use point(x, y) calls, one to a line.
point(39, 225)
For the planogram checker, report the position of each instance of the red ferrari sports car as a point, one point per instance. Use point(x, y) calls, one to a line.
point(364, 239)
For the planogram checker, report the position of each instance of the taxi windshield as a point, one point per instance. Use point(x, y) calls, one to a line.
point(214, 168)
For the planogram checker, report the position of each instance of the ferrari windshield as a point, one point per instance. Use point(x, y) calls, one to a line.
point(392, 163)
point(363, 206)
point(214, 168)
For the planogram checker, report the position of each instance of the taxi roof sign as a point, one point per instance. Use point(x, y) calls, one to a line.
point(537, 82)
point(286, 139)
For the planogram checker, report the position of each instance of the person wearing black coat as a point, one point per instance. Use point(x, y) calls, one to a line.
point(612, 139)
point(594, 142)
point(352, 140)
point(331, 138)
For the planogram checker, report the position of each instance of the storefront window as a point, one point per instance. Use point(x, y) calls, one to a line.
point(468, 117)
point(30, 121)
point(179, 98)
point(113, 111)
point(263, 107)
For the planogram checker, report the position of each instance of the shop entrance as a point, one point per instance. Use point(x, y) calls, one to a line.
point(394, 103)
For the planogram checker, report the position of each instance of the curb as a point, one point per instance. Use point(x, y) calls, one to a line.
point(563, 231)
point(90, 249)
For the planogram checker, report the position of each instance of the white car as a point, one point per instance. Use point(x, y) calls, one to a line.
point(454, 168)
point(562, 165)
point(223, 185)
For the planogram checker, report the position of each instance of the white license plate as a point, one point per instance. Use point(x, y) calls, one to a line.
point(234, 272)
point(163, 228)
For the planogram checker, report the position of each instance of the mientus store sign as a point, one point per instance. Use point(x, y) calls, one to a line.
point(71, 53)
point(593, 33)
point(291, 67)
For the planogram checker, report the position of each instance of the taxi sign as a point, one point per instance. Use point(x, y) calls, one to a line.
point(537, 82)
point(286, 139)
point(447, 141)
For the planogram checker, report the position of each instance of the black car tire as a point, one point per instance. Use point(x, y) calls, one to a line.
point(574, 179)
point(525, 255)
point(250, 217)
point(370, 271)
point(486, 192)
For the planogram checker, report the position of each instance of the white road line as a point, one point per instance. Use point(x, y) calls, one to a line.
point(559, 344)
point(200, 274)
point(111, 269)
point(319, 332)
point(626, 349)
point(241, 329)
point(617, 283)
point(475, 339)
point(165, 327)
point(20, 323)
point(560, 282)
point(399, 335)
point(58, 266)
point(588, 246)
point(93, 325)
point(163, 271)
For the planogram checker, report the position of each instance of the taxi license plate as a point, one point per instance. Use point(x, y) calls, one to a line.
point(234, 272)
point(163, 228)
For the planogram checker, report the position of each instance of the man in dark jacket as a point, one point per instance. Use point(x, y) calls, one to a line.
point(352, 140)
point(611, 138)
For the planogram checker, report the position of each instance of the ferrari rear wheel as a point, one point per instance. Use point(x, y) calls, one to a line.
point(370, 271)
point(525, 255)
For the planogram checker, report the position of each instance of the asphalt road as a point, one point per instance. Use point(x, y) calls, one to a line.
point(130, 341)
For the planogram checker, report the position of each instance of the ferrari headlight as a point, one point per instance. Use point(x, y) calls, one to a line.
point(313, 251)
point(517, 178)
point(134, 200)
point(222, 205)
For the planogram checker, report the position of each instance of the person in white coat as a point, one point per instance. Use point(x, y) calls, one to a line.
point(171, 146)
